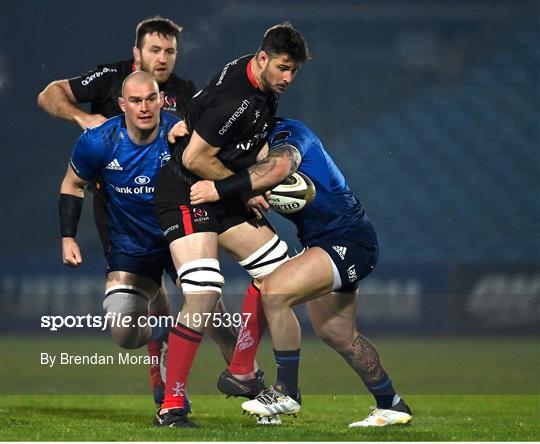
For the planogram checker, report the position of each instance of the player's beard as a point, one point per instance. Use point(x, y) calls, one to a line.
point(163, 75)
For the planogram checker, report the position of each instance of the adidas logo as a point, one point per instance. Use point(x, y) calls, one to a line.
point(341, 251)
point(114, 165)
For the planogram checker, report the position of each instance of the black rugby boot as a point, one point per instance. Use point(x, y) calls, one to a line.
point(231, 386)
point(176, 418)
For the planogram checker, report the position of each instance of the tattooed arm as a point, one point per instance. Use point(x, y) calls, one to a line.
point(280, 163)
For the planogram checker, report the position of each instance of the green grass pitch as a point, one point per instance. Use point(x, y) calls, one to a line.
point(459, 389)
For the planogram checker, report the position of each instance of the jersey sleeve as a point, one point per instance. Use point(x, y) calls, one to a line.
point(86, 157)
point(93, 85)
point(221, 121)
point(288, 136)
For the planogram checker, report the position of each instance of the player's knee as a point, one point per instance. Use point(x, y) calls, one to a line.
point(201, 275)
point(125, 300)
point(124, 305)
point(335, 336)
point(266, 259)
point(128, 337)
point(272, 296)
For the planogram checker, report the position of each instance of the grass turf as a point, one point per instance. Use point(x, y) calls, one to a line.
point(461, 389)
point(324, 418)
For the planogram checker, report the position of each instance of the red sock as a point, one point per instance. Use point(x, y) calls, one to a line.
point(250, 334)
point(154, 351)
point(183, 345)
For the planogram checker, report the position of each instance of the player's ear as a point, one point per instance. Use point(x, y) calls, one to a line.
point(262, 58)
point(137, 57)
point(161, 99)
point(122, 104)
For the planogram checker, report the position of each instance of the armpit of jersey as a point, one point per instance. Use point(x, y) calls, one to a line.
point(86, 156)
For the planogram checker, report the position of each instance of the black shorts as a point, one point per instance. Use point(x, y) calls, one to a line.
point(354, 253)
point(178, 218)
point(150, 265)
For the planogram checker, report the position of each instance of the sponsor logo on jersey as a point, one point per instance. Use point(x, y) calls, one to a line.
point(97, 75)
point(114, 165)
point(257, 115)
point(341, 251)
point(169, 103)
point(142, 180)
point(241, 109)
point(351, 272)
point(164, 158)
point(224, 72)
point(245, 146)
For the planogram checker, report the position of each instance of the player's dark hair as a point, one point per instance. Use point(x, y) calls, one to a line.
point(162, 26)
point(283, 38)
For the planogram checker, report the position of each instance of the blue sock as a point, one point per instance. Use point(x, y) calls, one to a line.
point(383, 392)
point(287, 362)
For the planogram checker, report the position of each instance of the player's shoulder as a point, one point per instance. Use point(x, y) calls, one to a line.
point(168, 120)
point(178, 84)
point(123, 67)
point(232, 81)
point(289, 129)
point(107, 132)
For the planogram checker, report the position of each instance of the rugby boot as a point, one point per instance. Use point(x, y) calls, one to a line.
point(268, 420)
point(175, 418)
point(231, 386)
point(395, 415)
point(273, 401)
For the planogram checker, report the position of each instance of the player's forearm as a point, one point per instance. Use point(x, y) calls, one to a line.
point(207, 167)
point(269, 172)
point(55, 101)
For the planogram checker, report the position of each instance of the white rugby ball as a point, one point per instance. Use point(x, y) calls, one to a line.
point(293, 194)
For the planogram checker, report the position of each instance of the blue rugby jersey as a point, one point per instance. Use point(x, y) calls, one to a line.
point(335, 209)
point(127, 174)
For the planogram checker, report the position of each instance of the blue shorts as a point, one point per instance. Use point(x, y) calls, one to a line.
point(354, 254)
point(150, 265)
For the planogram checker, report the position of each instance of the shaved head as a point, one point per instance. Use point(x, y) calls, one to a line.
point(141, 102)
point(138, 78)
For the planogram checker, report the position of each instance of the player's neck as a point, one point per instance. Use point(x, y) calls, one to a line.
point(254, 73)
point(141, 137)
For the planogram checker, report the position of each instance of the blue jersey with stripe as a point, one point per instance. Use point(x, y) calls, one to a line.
point(335, 210)
point(127, 173)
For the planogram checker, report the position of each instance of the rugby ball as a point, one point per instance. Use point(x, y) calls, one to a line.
point(293, 194)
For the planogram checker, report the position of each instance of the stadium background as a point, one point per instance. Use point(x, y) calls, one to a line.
point(430, 109)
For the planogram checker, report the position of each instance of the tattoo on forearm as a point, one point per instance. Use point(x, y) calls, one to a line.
point(266, 165)
point(263, 167)
point(362, 356)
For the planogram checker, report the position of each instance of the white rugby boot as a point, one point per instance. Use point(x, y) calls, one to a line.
point(271, 402)
point(397, 414)
point(269, 420)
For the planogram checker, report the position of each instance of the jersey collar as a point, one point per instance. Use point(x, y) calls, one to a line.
point(250, 75)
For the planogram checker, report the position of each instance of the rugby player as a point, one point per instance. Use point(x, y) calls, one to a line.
point(228, 122)
point(155, 51)
point(125, 152)
point(341, 244)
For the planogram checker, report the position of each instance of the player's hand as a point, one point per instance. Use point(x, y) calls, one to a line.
point(90, 120)
point(71, 253)
point(258, 205)
point(178, 131)
point(202, 192)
